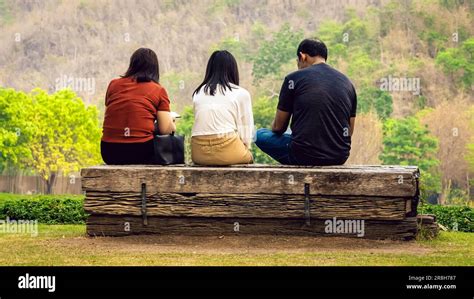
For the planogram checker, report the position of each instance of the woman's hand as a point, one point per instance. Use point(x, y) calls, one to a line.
point(166, 123)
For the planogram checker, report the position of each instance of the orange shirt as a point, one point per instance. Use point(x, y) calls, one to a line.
point(131, 109)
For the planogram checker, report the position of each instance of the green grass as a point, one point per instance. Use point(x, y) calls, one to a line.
point(68, 245)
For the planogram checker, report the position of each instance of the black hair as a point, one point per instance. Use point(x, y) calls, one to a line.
point(143, 66)
point(313, 47)
point(221, 69)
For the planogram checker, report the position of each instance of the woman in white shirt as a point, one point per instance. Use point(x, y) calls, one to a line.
point(223, 120)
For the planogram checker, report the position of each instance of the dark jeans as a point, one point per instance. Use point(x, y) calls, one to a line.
point(127, 153)
point(277, 146)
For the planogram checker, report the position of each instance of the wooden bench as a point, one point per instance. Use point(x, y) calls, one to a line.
point(256, 199)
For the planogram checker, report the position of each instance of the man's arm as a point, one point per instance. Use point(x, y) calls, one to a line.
point(281, 121)
point(352, 123)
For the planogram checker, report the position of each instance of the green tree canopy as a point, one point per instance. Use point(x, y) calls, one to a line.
point(459, 63)
point(15, 128)
point(264, 111)
point(372, 98)
point(407, 142)
point(54, 133)
point(274, 53)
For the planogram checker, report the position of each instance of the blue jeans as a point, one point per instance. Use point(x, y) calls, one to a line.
point(276, 146)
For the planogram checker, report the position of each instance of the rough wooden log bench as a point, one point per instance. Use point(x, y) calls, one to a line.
point(377, 202)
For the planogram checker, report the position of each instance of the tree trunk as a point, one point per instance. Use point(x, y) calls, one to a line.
point(445, 193)
point(50, 183)
point(468, 188)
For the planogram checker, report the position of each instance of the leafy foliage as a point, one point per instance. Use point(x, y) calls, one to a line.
point(407, 142)
point(184, 126)
point(459, 63)
point(48, 134)
point(50, 209)
point(459, 218)
point(16, 128)
point(273, 54)
point(352, 41)
point(66, 134)
point(234, 46)
point(5, 12)
point(375, 99)
point(264, 111)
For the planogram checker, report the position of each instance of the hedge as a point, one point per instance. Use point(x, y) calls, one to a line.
point(458, 218)
point(49, 209)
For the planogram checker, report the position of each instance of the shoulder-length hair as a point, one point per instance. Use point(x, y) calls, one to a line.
point(221, 70)
point(143, 66)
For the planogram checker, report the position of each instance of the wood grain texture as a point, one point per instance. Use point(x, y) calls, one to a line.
point(262, 199)
point(244, 205)
point(384, 181)
point(107, 225)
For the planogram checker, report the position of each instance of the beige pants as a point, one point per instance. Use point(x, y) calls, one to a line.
point(225, 149)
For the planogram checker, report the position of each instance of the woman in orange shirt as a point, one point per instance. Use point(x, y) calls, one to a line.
point(133, 102)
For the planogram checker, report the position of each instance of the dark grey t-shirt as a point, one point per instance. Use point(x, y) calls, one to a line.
point(322, 100)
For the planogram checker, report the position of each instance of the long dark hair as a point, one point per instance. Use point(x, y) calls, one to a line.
point(143, 66)
point(221, 69)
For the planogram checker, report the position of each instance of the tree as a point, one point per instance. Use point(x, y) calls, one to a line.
point(5, 14)
point(180, 86)
point(184, 127)
point(362, 69)
point(449, 122)
point(66, 135)
point(366, 142)
point(15, 129)
point(273, 54)
point(264, 109)
point(470, 149)
point(375, 99)
point(459, 63)
point(332, 34)
point(407, 142)
point(234, 46)
point(47, 134)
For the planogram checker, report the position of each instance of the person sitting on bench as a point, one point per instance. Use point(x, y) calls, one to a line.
point(223, 121)
point(133, 103)
point(321, 103)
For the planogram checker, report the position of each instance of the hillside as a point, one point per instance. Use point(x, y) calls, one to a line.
point(412, 63)
point(49, 42)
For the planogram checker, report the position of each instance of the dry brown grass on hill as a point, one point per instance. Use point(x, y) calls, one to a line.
point(366, 140)
point(95, 38)
point(450, 123)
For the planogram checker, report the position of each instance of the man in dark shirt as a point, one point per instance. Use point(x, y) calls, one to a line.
point(321, 103)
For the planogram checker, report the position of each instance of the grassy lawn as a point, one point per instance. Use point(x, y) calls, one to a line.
point(68, 245)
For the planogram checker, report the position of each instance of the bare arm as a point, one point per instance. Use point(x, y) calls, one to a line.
point(352, 123)
point(281, 121)
point(166, 123)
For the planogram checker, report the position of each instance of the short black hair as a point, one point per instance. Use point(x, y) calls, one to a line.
point(313, 47)
point(143, 66)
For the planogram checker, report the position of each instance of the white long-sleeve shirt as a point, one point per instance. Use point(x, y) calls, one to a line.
point(224, 113)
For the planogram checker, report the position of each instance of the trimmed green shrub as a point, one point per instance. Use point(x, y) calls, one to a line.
point(49, 209)
point(458, 218)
